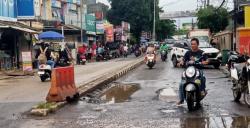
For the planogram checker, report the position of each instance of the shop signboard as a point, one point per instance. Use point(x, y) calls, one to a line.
point(90, 24)
point(247, 16)
point(27, 61)
point(25, 9)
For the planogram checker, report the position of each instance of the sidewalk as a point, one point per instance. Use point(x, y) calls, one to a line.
point(31, 89)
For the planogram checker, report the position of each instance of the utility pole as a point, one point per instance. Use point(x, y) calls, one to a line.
point(208, 2)
point(205, 3)
point(81, 9)
point(154, 24)
point(235, 24)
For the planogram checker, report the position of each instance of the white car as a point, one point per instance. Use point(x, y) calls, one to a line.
point(178, 51)
point(181, 47)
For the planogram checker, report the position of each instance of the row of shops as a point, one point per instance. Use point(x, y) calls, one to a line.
point(23, 20)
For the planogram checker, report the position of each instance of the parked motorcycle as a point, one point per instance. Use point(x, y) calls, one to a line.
point(99, 57)
point(191, 79)
point(235, 57)
point(150, 60)
point(164, 55)
point(44, 72)
point(241, 81)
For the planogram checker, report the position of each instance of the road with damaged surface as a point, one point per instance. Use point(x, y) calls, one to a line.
point(146, 98)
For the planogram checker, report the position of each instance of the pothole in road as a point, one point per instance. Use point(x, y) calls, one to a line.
point(114, 93)
point(167, 95)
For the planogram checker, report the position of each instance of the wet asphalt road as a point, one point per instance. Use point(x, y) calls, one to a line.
point(145, 108)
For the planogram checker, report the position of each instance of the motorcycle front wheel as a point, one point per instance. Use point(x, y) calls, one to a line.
point(190, 101)
point(43, 78)
point(236, 93)
point(247, 98)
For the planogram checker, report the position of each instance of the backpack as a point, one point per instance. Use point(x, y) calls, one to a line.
point(42, 57)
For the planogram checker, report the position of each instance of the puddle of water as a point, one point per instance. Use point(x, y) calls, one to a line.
point(119, 93)
point(215, 122)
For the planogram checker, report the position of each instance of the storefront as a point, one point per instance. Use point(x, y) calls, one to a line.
point(15, 38)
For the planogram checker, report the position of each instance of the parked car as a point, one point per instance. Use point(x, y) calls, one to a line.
point(170, 43)
point(178, 51)
point(181, 47)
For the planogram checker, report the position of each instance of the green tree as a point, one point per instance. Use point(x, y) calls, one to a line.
point(181, 32)
point(139, 13)
point(214, 19)
point(165, 29)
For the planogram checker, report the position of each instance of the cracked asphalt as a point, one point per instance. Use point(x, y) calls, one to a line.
point(146, 106)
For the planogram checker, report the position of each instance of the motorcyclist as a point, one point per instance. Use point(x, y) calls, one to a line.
point(44, 55)
point(193, 55)
point(163, 47)
point(65, 56)
point(151, 50)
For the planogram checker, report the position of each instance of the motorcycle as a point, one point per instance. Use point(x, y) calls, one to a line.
point(241, 81)
point(191, 79)
point(99, 57)
point(137, 53)
point(44, 72)
point(83, 59)
point(235, 57)
point(125, 54)
point(164, 55)
point(150, 60)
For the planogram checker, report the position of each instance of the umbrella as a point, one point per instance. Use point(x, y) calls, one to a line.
point(50, 35)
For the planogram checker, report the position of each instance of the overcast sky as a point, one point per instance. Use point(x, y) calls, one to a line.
point(182, 5)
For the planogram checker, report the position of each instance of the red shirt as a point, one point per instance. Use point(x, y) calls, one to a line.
point(82, 50)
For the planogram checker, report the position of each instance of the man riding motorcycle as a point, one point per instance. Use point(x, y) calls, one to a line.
point(193, 55)
point(164, 51)
point(164, 47)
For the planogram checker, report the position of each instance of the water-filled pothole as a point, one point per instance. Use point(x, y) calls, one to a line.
point(114, 93)
point(119, 93)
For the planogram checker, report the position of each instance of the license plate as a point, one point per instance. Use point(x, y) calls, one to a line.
point(41, 72)
point(83, 59)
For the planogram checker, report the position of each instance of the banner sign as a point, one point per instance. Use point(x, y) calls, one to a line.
point(125, 31)
point(118, 33)
point(99, 27)
point(109, 34)
point(27, 61)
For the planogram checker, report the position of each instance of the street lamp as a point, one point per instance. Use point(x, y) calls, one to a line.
point(154, 24)
point(81, 9)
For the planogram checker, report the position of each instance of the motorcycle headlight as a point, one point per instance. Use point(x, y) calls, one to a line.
point(248, 64)
point(190, 72)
